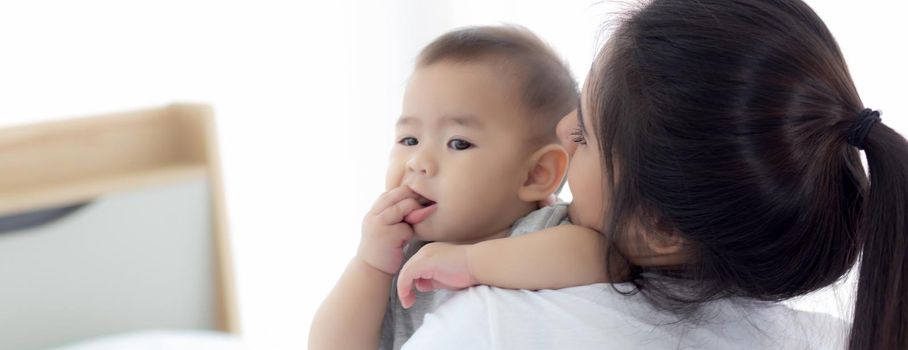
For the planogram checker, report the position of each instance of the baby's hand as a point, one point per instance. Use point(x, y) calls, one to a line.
point(435, 266)
point(384, 231)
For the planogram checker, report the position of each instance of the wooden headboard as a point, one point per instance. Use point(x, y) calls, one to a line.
point(113, 223)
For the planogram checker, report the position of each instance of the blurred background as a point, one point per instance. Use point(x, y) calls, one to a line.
point(305, 95)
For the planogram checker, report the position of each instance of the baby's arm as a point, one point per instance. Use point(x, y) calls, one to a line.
point(352, 314)
point(557, 257)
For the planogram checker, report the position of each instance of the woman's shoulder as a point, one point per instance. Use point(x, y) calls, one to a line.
point(604, 316)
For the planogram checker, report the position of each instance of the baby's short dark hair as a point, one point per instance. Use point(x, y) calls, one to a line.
point(548, 89)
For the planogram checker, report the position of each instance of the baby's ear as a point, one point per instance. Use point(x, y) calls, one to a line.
point(544, 172)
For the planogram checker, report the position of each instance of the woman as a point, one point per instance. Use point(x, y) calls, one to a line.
point(724, 135)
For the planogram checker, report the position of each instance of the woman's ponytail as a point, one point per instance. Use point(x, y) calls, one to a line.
point(729, 120)
point(881, 310)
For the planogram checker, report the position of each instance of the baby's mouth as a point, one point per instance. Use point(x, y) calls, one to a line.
point(428, 207)
point(424, 202)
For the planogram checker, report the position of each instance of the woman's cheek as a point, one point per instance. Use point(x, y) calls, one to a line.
point(585, 178)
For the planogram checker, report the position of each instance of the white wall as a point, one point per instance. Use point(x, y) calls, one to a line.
point(306, 94)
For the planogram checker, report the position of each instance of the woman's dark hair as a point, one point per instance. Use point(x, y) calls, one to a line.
point(728, 121)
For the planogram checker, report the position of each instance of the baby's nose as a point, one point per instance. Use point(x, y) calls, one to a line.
point(421, 162)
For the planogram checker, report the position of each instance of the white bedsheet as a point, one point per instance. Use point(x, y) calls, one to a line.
point(161, 340)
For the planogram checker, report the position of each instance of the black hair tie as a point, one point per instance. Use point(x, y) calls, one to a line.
point(857, 133)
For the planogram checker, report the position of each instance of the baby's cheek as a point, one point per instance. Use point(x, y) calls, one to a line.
point(462, 210)
point(393, 177)
point(392, 180)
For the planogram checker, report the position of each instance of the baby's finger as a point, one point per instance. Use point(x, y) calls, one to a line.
point(405, 293)
point(405, 279)
point(424, 285)
point(398, 211)
point(392, 196)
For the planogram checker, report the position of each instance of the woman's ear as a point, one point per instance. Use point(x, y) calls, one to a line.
point(665, 243)
point(545, 170)
point(660, 246)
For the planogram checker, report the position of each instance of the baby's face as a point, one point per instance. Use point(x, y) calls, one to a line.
point(462, 144)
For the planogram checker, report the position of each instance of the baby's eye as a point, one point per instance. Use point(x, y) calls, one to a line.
point(459, 145)
point(577, 136)
point(408, 141)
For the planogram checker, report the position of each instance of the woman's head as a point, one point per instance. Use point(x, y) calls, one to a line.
point(726, 121)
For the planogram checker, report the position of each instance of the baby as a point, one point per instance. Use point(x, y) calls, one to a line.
point(476, 152)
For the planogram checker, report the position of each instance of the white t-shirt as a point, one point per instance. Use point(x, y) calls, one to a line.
point(598, 317)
